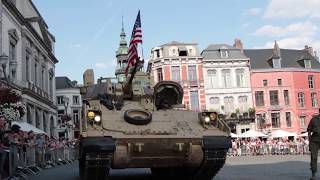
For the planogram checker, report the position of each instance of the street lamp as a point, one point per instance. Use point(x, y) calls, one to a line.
point(66, 103)
point(3, 62)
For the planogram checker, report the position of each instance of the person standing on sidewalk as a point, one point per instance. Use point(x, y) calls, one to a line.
point(314, 145)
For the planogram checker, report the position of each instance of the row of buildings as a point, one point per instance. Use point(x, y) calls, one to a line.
point(262, 89)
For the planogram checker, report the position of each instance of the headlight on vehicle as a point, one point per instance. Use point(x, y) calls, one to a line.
point(97, 118)
point(94, 116)
point(208, 118)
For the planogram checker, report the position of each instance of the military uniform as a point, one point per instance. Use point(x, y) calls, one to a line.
point(314, 142)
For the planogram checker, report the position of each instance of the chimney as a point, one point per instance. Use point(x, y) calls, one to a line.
point(309, 49)
point(276, 51)
point(238, 44)
point(316, 56)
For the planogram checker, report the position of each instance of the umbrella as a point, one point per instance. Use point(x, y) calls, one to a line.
point(252, 133)
point(28, 127)
point(303, 134)
point(281, 133)
point(233, 135)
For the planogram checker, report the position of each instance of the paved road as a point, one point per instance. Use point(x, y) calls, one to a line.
point(236, 168)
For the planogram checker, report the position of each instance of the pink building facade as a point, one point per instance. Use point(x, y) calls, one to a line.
point(285, 88)
point(180, 62)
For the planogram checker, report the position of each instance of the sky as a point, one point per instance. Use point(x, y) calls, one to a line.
point(88, 32)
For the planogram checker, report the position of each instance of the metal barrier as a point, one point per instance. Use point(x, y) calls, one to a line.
point(268, 149)
point(19, 162)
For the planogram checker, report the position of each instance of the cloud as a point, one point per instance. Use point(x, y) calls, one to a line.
point(292, 9)
point(303, 29)
point(253, 11)
point(100, 65)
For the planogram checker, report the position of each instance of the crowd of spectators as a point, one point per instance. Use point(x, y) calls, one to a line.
point(279, 146)
point(26, 148)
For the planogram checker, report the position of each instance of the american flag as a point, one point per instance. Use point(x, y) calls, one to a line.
point(136, 38)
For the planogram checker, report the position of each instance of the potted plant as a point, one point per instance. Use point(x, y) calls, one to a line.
point(233, 115)
point(252, 112)
point(11, 107)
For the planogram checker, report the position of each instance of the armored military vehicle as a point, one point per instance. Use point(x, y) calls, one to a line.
point(134, 125)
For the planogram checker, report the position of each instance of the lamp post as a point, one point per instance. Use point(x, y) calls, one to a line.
point(3, 62)
point(66, 103)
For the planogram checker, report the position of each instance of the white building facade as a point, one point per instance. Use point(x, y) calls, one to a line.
point(25, 39)
point(69, 103)
point(226, 72)
point(180, 62)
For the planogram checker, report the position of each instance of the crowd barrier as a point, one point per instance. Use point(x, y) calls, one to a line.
point(19, 163)
point(268, 149)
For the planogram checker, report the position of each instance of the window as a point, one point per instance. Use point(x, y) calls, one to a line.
point(175, 73)
point(27, 66)
point(42, 78)
point(226, 80)
point(307, 63)
point(192, 73)
point(190, 52)
point(301, 99)
point(60, 113)
point(276, 63)
point(75, 115)
point(212, 78)
point(160, 76)
point(214, 100)
point(274, 99)
point(286, 97)
point(12, 51)
point(279, 82)
point(314, 100)
point(158, 53)
point(311, 82)
point(302, 121)
point(242, 100)
point(75, 99)
point(224, 54)
point(259, 98)
point(288, 119)
point(173, 51)
point(228, 104)
point(60, 100)
point(35, 74)
point(51, 87)
point(240, 77)
point(275, 118)
point(265, 82)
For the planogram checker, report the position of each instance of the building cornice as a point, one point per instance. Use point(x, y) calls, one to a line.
point(38, 97)
point(16, 13)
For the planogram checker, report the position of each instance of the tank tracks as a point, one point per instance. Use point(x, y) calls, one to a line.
point(215, 153)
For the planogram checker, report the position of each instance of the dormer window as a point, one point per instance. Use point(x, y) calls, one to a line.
point(183, 51)
point(224, 54)
point(307, 63)
point(276, 63)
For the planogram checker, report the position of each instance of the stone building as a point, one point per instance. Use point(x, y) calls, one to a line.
point(88, 77)
point(180, 62)
point(29, 47)
point(69, 103)
point(226, 72)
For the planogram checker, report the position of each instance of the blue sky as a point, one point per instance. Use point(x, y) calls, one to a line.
point(87, 32)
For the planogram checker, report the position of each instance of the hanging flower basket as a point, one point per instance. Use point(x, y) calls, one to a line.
point(11, 107)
